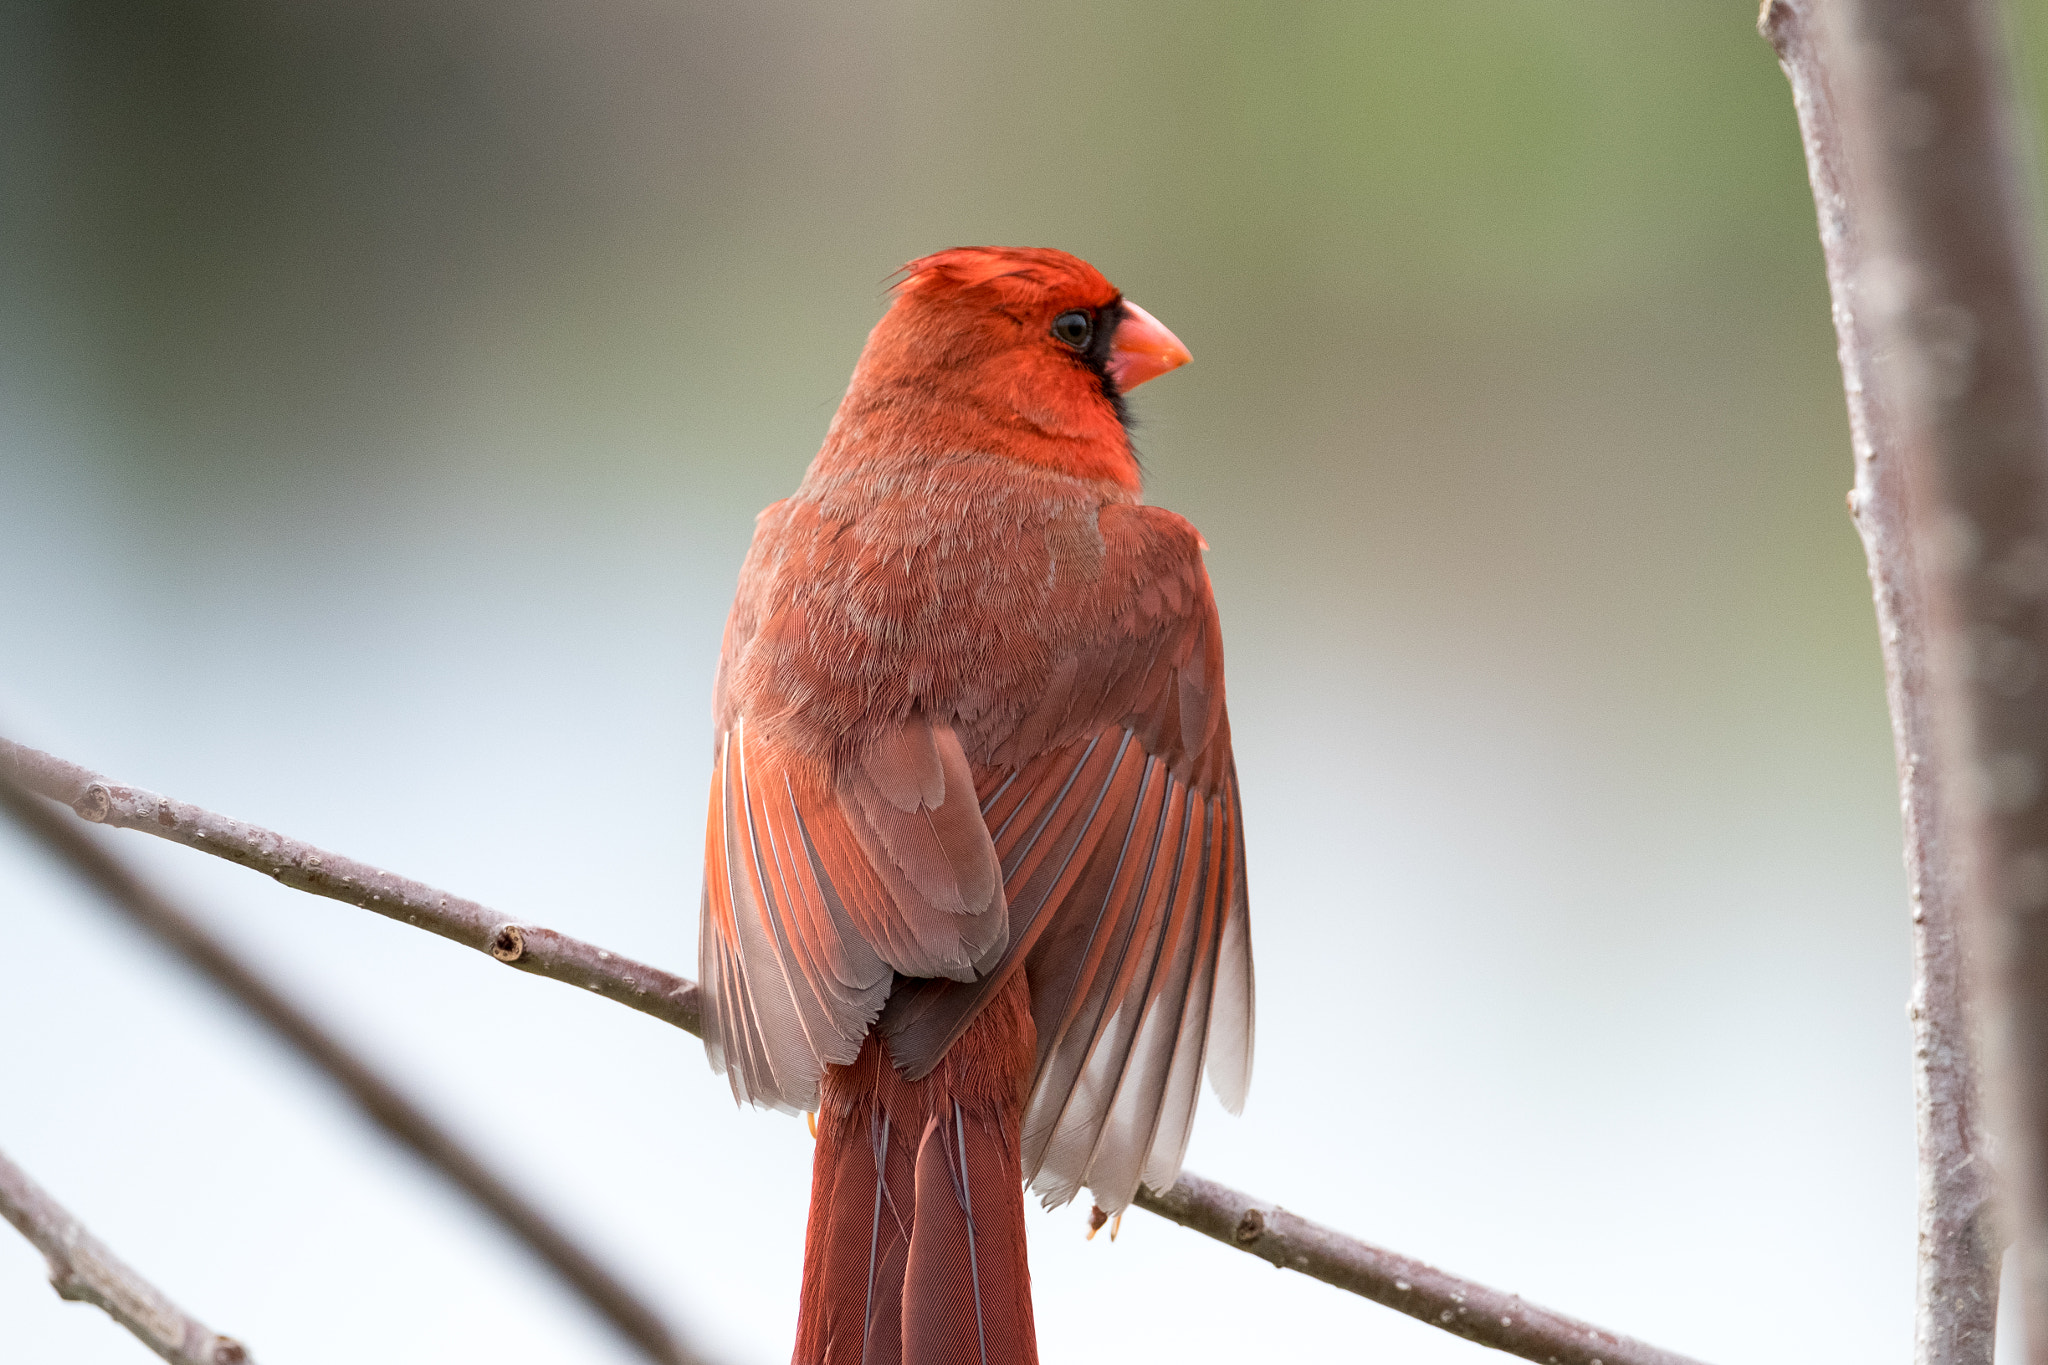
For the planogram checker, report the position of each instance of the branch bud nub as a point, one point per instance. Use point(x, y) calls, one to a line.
point(508, 944)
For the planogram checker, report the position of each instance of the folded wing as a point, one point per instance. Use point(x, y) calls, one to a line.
point(816, 891)
point(1128, 917)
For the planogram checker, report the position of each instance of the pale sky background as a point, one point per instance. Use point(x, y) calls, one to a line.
point(386, 392)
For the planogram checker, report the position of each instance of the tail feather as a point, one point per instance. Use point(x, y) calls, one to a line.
point(915, 1253)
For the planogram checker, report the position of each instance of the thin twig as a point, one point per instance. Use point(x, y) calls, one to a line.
point(1951, 292)
point(383, 1103)
point(303, 867)
point(1505, 1322)
point(84, 1271)
point(1956, 1308)
point(1470, 1310)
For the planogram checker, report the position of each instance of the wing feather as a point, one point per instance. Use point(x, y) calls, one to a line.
point(1043, 845)
point(1096, 983)
point(1181, 1086)
point(1231, 1015)
point(808, 916)
point(1126, 893)
point(1123, 1145)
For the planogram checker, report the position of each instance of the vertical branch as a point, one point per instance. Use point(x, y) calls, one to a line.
point(1946, 283)
point(1956, 1299)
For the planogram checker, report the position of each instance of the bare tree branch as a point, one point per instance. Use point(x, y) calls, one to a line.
point(84, 1271)
point(1470, 1310)
point(384, 1104)
point(1950, 289)
point(1290, 1242)
point(303, 867)
point(1956, 1308)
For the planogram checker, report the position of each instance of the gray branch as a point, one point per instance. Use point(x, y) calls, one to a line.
point(84, 1271)
point(303, 867)
point(1956, 1308)
point(1949, 287)
point(1506, 1322)
point(1473, 1311)
point(383, 1103)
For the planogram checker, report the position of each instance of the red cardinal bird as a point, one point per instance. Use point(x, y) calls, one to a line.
point(974, 877)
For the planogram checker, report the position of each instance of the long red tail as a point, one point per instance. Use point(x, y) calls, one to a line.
point(915, 1250)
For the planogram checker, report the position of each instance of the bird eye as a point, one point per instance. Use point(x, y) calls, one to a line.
point(1073, 329)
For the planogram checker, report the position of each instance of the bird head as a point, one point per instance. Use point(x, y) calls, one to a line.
point(1019, 351)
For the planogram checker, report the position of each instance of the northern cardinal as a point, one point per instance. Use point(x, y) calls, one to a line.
point(974, 873)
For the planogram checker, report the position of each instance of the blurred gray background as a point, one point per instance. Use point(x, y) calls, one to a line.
point(386, 392)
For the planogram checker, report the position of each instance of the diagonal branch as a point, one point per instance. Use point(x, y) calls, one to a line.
point(382, 1102)
point(1463, 1307)
point(1955, 1321)
point(1288, 1241)
point(303, 867)
point(84, 1271)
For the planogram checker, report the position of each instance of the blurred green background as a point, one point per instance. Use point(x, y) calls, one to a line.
point(386, 390)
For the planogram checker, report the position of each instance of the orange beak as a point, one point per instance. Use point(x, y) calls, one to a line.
point(1143, 349)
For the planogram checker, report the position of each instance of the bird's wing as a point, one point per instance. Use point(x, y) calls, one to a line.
point(1122, 856)
point(819, 885)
